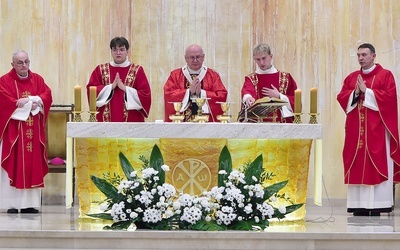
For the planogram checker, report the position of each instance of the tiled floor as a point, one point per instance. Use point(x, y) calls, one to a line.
point(325, 222)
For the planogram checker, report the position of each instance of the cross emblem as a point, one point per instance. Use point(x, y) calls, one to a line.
point(26, 94)
point(29, 146)
point(29, 133)
point(29, 121)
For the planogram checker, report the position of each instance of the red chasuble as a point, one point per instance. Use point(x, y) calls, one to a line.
point(364, 152)
point(177, 84)
point(24, 155)
point(132, 76)
point(284, 82)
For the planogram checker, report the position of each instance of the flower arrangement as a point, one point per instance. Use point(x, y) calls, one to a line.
point(240, 201)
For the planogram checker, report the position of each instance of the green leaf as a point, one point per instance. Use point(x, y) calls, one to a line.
point(204, 225)
point(225, 163)
point(156, 161)
point(273, 189)
point(255, 169)
point(107, 189)
point(104, 216)
point(249, 224)
point(120, 225)
point(126, 166)
point(292, 208)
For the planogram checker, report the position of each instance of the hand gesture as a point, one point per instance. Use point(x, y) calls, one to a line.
point(249, 101)
point(272, 93)
point(34, 105)
point(22, 101)
point(116, 81)
point(195, 87)
point(360, 85)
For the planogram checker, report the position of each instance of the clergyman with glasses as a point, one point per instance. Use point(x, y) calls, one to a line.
point(194, 80)
point(25, 100)
point(123, 91)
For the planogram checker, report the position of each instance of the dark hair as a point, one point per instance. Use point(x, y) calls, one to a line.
point(119, 41)
point(367, 46)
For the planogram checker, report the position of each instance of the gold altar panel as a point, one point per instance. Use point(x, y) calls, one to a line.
point(288, 159)
point(193, 163)
point(96, 156)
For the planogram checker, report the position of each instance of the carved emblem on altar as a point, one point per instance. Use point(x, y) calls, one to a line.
point(191, 176)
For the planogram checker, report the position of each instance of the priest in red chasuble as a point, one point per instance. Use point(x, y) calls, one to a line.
point(123, 91)
point(267, 81)
point(194, 80)
point(25, 100)
point(371, 153)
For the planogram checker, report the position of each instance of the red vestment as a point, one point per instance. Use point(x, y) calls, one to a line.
point(284, 82)
point(364, 151)
point(132, 76)
point(24, 155)
point(176, 86)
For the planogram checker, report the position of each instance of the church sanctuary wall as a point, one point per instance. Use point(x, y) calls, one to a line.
point(315, 40)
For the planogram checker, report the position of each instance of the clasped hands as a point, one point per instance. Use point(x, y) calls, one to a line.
point(22, 101)
point(195, 87)
point(118, 83)
point(360, 85)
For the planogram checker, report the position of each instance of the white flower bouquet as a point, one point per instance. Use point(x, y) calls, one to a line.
point(240, 201)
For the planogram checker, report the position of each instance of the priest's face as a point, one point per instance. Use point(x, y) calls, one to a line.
point(119, 54)
point(263, 60)
point(194, 57)
point(21, 63)
point(365, 58)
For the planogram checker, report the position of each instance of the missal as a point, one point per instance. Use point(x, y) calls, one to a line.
point(262, 108)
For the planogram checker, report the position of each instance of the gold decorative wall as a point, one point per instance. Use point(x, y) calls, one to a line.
point(314, 40)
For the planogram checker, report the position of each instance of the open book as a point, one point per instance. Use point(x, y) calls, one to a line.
point(262, 108)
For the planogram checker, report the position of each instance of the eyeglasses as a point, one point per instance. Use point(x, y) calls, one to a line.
point(20, 63)
point(198, 58)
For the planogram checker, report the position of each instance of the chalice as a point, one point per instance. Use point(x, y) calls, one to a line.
point(224, 118)
point(200, 118)
point(177, 117)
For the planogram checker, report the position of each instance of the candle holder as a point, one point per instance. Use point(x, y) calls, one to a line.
point(77, 116)
point(297, 118)
point(92, 116)
point(313, 118)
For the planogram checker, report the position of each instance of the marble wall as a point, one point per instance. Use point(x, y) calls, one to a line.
point(315, 40)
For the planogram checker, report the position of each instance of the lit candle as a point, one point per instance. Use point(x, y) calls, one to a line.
point(313, 100)
point(297, 101)
point(92, 98)
point(77, 98)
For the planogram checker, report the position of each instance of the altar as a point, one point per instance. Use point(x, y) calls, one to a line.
point(192, 150)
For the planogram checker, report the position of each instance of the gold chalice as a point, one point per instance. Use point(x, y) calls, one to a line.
point(177, 117)
point(200, 117)
point(224, 118)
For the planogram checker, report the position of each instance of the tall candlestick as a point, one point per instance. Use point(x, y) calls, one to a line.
point(313, 100)
point(77, 98)
point(297, 101)
point(92, 98)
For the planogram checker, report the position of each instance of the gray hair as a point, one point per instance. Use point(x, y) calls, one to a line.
point(262, 48)
point(18, 52)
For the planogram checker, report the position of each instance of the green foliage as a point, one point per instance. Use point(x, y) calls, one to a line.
point(156, 161)
point(204, 225)
point(225, 163)
point(126, 166)
point(254, 169)
point(107, 189)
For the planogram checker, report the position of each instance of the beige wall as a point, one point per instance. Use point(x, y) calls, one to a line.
point(315, 40)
